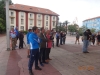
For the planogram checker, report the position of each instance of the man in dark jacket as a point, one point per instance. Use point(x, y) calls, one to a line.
point(21, 37)
point(42, 46)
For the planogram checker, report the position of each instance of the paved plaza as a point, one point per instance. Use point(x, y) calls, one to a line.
point(67, 59)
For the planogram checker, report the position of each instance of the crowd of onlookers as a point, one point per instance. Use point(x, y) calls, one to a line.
point(40, 42)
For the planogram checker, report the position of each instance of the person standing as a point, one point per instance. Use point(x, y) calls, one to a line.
point(21, 37)
point(93, 38)
point(57, 39)
point(34, 50)
point(98, 38)
point(61, 37)
point(17, 34)
point(13, 38)
point(28, 46)
point(77, 38)
point(86, 40)
point(43, 46)
point(64, 37)
point(49, 45)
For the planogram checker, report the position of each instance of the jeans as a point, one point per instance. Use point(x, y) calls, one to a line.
point(85, 45)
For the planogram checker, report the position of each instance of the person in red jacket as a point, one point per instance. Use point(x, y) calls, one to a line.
point(49, 45)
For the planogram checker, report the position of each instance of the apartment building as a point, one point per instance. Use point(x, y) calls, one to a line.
point(25, 17)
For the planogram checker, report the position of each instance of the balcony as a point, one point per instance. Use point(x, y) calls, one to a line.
point(12, 16)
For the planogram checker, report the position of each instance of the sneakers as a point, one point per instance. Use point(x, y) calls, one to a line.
point(30, 72)
point(42, 65)
point(38, 68)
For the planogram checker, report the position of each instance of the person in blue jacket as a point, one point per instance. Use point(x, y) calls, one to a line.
point(34, 50)
point(28, 46)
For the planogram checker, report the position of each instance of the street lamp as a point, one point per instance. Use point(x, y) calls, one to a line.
point(7, 25)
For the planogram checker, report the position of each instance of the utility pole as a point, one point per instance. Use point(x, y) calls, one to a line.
point(7, 25)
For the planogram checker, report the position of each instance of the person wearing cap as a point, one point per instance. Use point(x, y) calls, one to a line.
point(86, 40)
point(28, 46)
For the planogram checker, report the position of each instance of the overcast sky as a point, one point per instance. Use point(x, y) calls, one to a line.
point(68, 9)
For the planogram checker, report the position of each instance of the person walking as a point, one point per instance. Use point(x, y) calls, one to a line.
point(77, 38)
point(85, 41)
point(61, 37)
point(28, 46)
point(34, 50)
point(43, 46)
point(93, 38)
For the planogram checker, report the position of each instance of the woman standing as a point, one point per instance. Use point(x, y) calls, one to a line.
point(49, 45)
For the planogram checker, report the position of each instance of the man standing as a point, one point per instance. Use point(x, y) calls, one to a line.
point(13, 38)
point(34, 50)
point(21, 39)
point(28, 46)
point(85, 41)
point(61, 37)
point(57, 39)
point(42, 46)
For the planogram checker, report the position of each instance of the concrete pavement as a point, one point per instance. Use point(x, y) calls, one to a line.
point(66, 60)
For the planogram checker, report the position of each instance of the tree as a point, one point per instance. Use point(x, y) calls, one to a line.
point(66, 23)
point(93, 30)
point(72, 28)
point(3, 14)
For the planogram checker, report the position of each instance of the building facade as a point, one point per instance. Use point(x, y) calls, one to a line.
point(92, 23)
point(25, 17)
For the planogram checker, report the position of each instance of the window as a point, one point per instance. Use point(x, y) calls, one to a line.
point(31, 22)
point(31, 15)
point(22, 27)
point(39, 23)
point(22, 21)
point(39, 16)
point(12, 20)
point(53, 23)
point(46, 23)
point(53, 17)
point(12, 13)
point(22, 14)
point(46, 17)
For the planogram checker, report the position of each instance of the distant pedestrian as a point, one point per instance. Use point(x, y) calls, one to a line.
point(93, 38)
point(61, 37)
point(21, 39)
point(57, 39)
point(77, 38)
point(34, 50)
point(64, 37)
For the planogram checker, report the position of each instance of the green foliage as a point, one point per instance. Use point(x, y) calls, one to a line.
point(3, 15)
point(25, 32)
point(93, 30)
point(72, 28)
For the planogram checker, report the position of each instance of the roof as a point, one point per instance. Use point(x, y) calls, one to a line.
point(92, 18)
point(32, 9)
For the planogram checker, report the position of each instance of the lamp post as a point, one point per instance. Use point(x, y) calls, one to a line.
point(7, 25)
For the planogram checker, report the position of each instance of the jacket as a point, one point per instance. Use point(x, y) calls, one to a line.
point(34, 41)
point(43, 39)
point(28, 37)
point(49, 42)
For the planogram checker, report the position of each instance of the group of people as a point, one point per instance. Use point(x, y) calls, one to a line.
point(89, 37)
point(39, 47)
point(14, 36)
point(60, 36)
